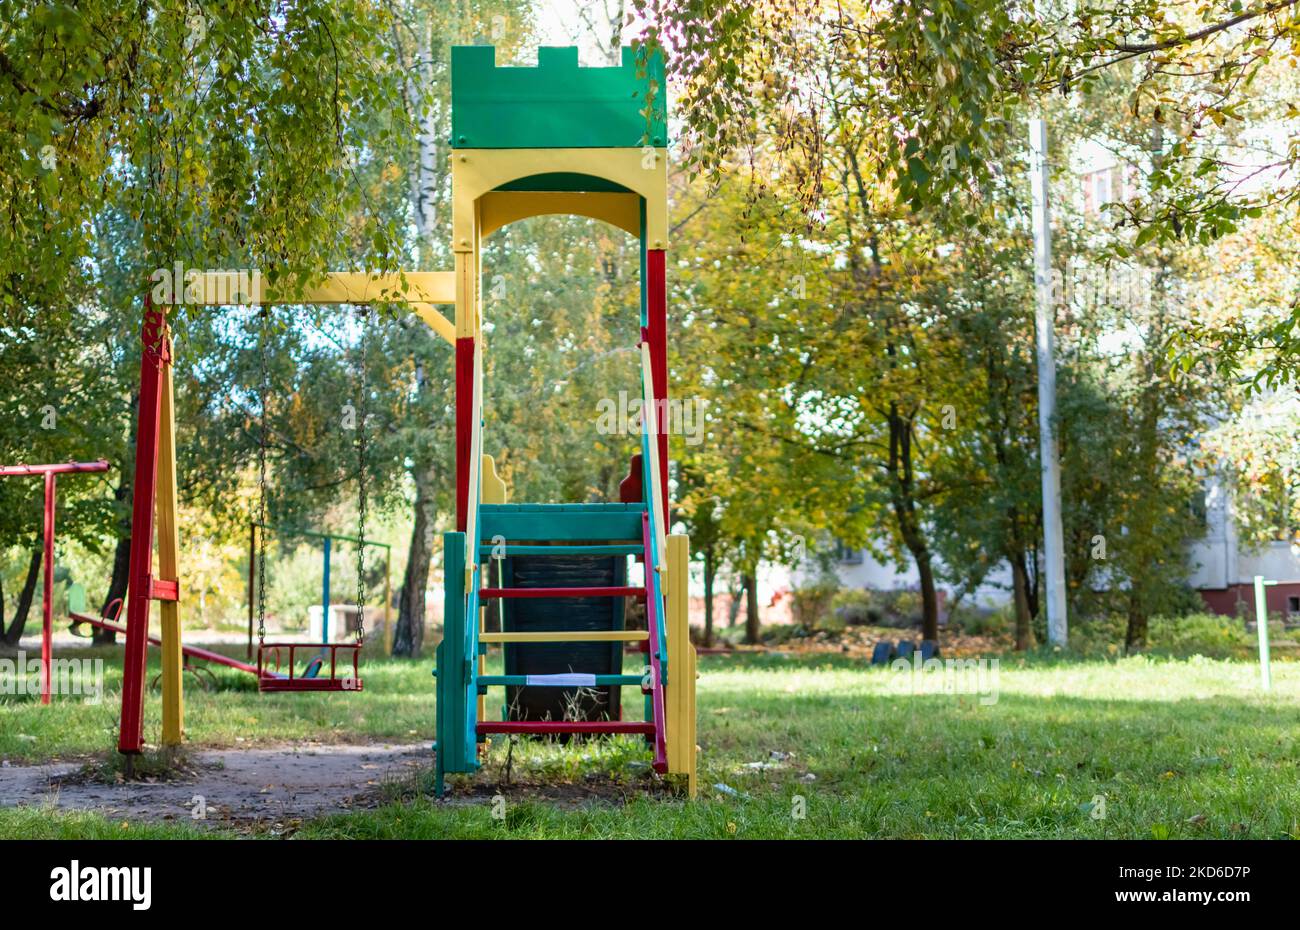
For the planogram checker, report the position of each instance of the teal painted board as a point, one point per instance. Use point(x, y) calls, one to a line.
point(457, 750)
point(566, 181)
point(556, 104)
point(561, 526)
point(595, 549)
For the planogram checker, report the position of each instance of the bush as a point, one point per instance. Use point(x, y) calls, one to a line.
point(1206, 634)
point(980, 621)
point(810, 604)
point(856, 607)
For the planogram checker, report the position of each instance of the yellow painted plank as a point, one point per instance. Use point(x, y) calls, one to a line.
point(436, 321)
point(173, 703)
point(677, 631)
point(575, 636)
point(216, 288)
point(494, 489)
point(501, 208)
point(476, 172)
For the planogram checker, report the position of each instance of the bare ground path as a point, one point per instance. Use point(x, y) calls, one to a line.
point(237, 787)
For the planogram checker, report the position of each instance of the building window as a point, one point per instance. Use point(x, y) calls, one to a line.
point(1293, 605)
point(847, 556)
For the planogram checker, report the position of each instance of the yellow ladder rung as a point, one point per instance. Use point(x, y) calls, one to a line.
point(562, 636)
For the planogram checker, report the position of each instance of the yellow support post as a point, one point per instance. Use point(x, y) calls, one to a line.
point(168, 556)
point(679, 697)
point(494, 488)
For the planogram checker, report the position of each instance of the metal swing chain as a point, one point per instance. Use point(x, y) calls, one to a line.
point(263, 392)
point(361, 475)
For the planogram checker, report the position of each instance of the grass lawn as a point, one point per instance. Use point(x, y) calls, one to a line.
point(809, 746)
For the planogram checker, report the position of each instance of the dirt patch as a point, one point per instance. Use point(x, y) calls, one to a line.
point(238, 787)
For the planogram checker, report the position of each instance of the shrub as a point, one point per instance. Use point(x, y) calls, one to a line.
point(856, 607)
point(980, 621)
point(1204, 634)
point(810, 603)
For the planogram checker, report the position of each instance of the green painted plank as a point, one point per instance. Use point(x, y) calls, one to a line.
point(565, 181)
point(556, 104)
point(559, 526)
point(614, 549)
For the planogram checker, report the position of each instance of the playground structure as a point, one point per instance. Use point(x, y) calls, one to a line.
point(560, 138)
point(50, 473)
point(554, 139)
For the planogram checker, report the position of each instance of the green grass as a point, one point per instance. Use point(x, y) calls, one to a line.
point(1176, 747)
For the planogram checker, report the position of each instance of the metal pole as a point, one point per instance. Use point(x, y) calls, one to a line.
point(252, 575)
point(47, 630)
point(388, 602)
point(1053, 535)
point(1261, 627)
point(325, 597)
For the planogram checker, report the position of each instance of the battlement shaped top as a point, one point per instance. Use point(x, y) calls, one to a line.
point(556, 104)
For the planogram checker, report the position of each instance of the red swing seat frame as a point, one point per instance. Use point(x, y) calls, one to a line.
point(272, 679)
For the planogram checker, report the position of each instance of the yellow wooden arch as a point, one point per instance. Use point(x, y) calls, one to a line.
point(476, 172)
point(501, 208)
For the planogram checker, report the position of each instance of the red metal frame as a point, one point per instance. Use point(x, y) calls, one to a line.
point(154, 357)
point(47, 544)
point(276, 680)
point(193, 652)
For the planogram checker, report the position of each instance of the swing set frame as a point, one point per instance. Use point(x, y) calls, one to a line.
point(154, 502)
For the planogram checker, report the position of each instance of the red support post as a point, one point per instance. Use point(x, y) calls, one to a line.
point(153, 357)
point(657, 332)
point(47, 629)
point(464, 428)
point(47, 549)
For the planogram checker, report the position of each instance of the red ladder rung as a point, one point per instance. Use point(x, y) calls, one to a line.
point(552, 727)
point(508, 593)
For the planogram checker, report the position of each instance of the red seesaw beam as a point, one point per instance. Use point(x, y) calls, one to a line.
point(49, 471)
point(193, 652)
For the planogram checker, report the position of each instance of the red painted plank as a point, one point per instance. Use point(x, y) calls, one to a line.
point(193, 652)
point(153, 359)
point(464, 426)
point(511, 593)
point(657, 330)
point(561, 726)
point(162, 590)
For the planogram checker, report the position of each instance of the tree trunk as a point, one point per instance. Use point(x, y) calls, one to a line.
point(408, 635)
point(929, 596)
point(1136, 636)
point(752, 625)
point(1020, 587)
point(710, 569)
point(25, 597)
point(116, 587)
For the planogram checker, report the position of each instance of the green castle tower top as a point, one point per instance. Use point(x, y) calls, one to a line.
point(556, 104)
